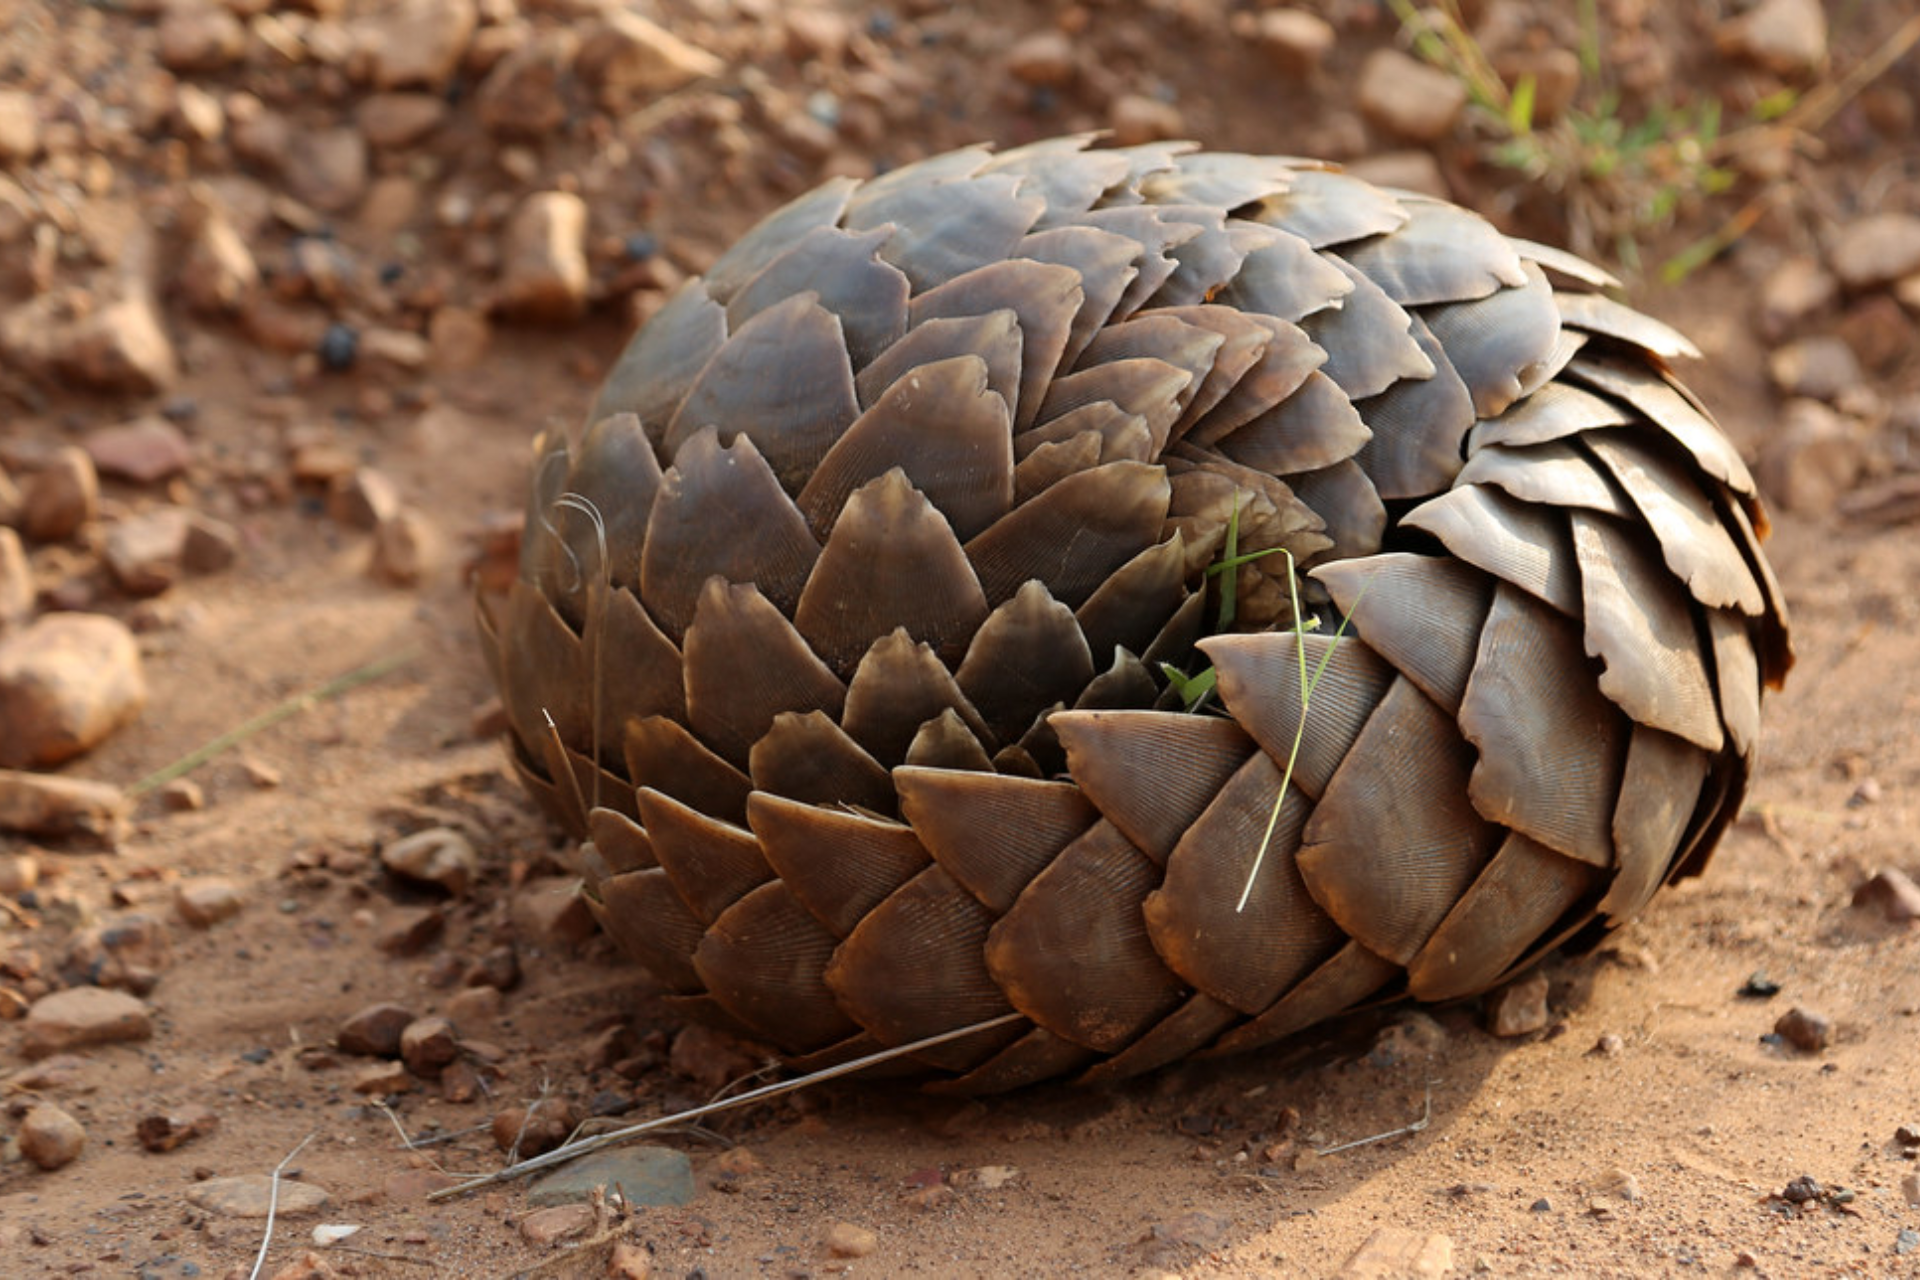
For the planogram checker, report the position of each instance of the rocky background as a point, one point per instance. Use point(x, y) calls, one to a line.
point(286, 288)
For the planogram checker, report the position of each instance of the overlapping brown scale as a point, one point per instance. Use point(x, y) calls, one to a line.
point(1037, 1055)
point(1245, 956)
point(1153, 260)
point(662, 360)
point(1027, 655)
point(1351, 977)
point(622, 842)
point(1502, 346)
point(1669, 410)
point(1207, 261)
point(1324, 208)
point(616, 473)
point(1344, 496)
point(1554, 412)
point(993, 337)
point(1520, 542)
point(782, 380)
point(915, 966)
point(1554, 474)
point(1073, 954)
point(1422, 614)
point(1125, 685)
point(1394, 840)
point(1368, 338)
point(941, 424)
point(774, 234)
point(846, 276)
point(1219, 179)
point(540, 657)
point(661, 754)
point(1550, 745)
point(946, 229)
point(646, 917)
point(1122, 760)
point(1176, 639)
point(806, 756)
point(1660, 792)
point(711, 863)
point(1418, 425)
point(948, 166)
point(1121, 435)
point(1260, 678)
point(1074, 535)
point(1737, 677)
point(1314, 427)
point(1287, 358)
point(1597, 313)
point(1104, 262)
point(1568, 266)
point(1243, 341)
point(891, 561)
point(766, 542)
point(1061, 172)
point(638, 671)
point(1773, 645)
point(840, 865)
point(543, 556)
point(900, 684)
point(1153, 389)
point(1158, 335)
point(992, 834)
point(945, 742)
point(1193, 1024)
point(1288, 281)
point(1129, 608)
point(1693, 541)
point(1442, 253)
point(1054, 460)
point(1640, 624)
point(1044, 296)
point(1524, 889)
point(745, 664)
point(570, 798)
point(762, 961)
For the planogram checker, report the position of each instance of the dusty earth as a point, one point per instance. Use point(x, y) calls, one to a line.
point(1652, 1127)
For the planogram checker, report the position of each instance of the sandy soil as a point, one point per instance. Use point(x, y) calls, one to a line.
point(1646, 1131)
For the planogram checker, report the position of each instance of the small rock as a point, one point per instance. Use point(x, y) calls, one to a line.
point(544, 252)
point(475, 1006)
point(522, 95)
point(846, 1240)
point(1608, 1046)
point(416, 42)
point(50, 1137)
point(1910, 1189)
point(1043, 59)
point(710, 1057)
point(1805, 1030)
point(382, 1079)
point(460, 1081)
point(1878, 331)
point(146, 553)
point(127, 952)
point(212, 545)
point(817, 33)
point(218, 275)
point(327, 168)
point(1812, 459)
point(143, 451)
point(391, 121)
point(200, 37)
point(534, 1130)
point(401, 348)
point(1618, 1183)
point(1407, 170)
point(19, 873)
point(1792, 291)
point(83, 1016)
point(1136, 118)
point(42, 805)
point(17, 591)
point(439, 856)
point(1555, 74)
point(164, 1131)
point(67, 681)
point(115, 344)
point(251, 1196)
point(1408, 98)
point(457, 339)
point(414, 1184)
point(556, 1223)
point(428, 1044)
point(362, 498)
point(1395, 1253)
point(374, 1031)
point(1877, 249)
point(1412, 1037)
point(410, 931)
point(19, 127)
point(629, 60)
point(1907, 1135)
point(550, 909)
point(197, 115)
point(1822, 367)
point(205, 901)
point(1294, 40)
point(61, 496)
point(643, 1175)
point(405, 547)
point(1893, 893)
point(629, 1261)
point(1802, 1190)
point(1787, 37)
point(498, 968)
point(1520, 1007)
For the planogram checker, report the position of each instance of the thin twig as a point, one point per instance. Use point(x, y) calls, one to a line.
point(562, 1155)
point(1426, 1118)
point(273, 1205)
point(267, 719)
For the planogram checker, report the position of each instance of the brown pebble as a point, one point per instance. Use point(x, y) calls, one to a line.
point(535, 1130)
point(629, 1261)
point(50, 1137)
point(460, 1081)
point(438, 856)
point(1396, 1253)
point(382, 1078)
point(374, 1031)
point(143, 451)
point(405, 546)
point(498, 968)
point(475, 1006)
point(61, 496)
point(1805, 1030)
point(83, 1016)
point(1893, 893)
point(410, 931)
point(556, 1223)
point(429, 1044)
point(846, 1240)
point(1519, 1008)
point(183, 795)
point(166, 1131)
point(204, 901)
